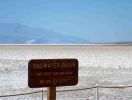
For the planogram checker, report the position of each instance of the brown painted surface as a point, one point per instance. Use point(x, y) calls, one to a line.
point(51, 95)
point(52, 72)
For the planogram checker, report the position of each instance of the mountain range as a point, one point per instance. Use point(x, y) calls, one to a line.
point(15, 33)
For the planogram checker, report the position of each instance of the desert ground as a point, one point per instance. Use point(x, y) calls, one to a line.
point(106, 65)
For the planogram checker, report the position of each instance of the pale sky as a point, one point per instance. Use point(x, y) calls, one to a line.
point(94, 20)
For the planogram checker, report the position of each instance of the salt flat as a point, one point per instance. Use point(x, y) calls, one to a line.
point(98, 64)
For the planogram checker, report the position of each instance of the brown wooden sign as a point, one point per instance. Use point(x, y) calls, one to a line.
point(52, 72)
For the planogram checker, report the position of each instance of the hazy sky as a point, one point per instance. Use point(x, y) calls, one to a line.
point(95, 20)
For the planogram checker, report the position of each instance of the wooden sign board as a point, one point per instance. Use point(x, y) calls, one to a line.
point(52, 72)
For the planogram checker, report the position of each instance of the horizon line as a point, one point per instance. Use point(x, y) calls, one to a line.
point(96, 44)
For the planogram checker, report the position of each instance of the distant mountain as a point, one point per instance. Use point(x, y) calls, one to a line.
point(125, 42)
point(14, 33)
point(121, 43)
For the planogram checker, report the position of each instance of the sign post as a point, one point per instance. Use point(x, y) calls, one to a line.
point(51, 73)
point(51, 95)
